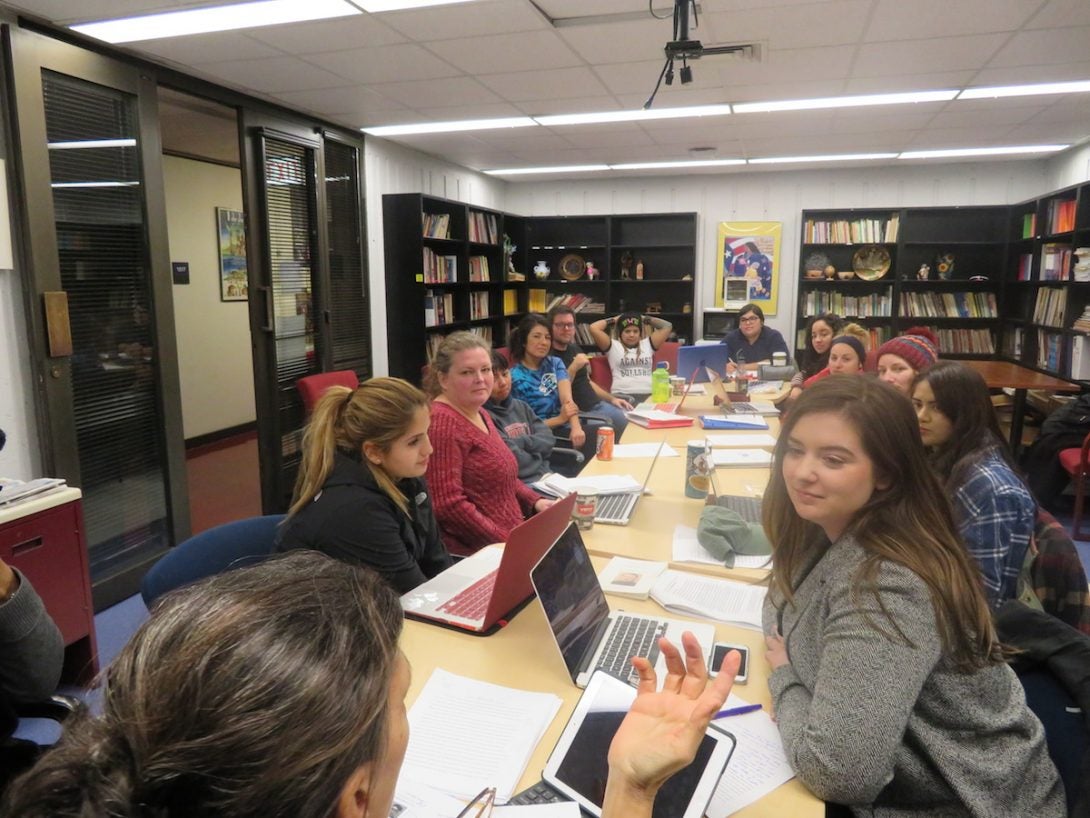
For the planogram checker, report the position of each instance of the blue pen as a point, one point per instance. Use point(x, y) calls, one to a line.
point(736, 711)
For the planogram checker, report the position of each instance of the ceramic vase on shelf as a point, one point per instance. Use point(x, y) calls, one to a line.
point(541, 270)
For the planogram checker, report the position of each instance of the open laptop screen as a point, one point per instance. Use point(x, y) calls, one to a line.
point(571, 596)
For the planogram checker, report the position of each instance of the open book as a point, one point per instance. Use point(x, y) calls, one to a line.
point(735, 603)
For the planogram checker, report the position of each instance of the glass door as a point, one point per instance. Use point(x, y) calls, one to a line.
point(100, 301)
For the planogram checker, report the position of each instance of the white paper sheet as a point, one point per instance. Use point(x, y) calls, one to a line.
point(742, 440)
point(569, 809)
point(466, 735)
point(687, 548)
point(758, 765)
point(743, 458)
point(724, 600)
point(626, 450)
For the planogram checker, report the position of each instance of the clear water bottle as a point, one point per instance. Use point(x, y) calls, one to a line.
point(660, 383)
point(740, 380)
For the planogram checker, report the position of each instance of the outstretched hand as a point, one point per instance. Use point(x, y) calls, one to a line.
point(663, 729)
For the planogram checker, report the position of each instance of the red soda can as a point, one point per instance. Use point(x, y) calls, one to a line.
point(605, 443)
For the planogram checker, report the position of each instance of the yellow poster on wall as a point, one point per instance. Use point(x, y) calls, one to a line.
point(747, 264)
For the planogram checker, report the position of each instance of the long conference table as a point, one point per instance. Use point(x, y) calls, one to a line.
point(521, 655)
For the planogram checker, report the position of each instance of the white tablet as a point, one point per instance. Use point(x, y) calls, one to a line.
point(578, 765)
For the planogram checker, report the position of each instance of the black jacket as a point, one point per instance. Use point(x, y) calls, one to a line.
point(353, 520)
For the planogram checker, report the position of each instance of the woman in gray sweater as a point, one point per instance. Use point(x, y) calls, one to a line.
point(888, 682)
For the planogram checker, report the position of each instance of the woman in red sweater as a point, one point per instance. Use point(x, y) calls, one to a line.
point(473, 476)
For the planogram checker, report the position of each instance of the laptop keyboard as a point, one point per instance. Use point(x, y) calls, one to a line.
point(615, 506)
point(630, 637)
point(473, 601)
point(748, 508)
point(539, 793)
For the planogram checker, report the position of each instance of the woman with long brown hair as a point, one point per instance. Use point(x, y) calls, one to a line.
point(360, 495)
point(888, 682)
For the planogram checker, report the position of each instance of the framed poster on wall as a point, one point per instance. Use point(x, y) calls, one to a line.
point(748, 252)
point(231, 243)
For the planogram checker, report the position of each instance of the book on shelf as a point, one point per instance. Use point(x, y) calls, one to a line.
point(437, 225)
point(1025, 266)
point(439, 269)
point(537, 300)
point(1012, 343)
point(874, 305)
point(948, 305)
point(478, 268)
point(578, 302)
point(966, 341)
point(510, 302)
point(1055, 262)
point(478, 305)
point(853, 231)
point(1061, 216)
point(1050, 307)
point(438, 308)
point(1080, 358)
point(1049, 347)
point(483, 228)
point(1029, 225)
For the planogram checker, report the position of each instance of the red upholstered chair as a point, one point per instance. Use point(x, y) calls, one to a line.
point(667, 352)
point(1074, 462)
point(313, 387)
point(600, 372)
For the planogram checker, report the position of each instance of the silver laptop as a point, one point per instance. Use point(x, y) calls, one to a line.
point(588, 635)
point(617, 509)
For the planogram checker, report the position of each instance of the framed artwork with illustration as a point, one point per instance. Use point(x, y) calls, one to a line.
point(748, 252)
point(231, 243)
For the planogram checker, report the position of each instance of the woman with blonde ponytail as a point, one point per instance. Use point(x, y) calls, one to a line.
point(360, 496)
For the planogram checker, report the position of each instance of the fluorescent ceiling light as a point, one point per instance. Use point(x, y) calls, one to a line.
point(839, 157)
point(1077, 87)
point(214, 18)
point(92, 143)
point(943, 154)
point(553, 169)
point(93, 184)
point(688, 163)
point(843, 102)
point(376, 6)
point(632, 116)
point(451, 127)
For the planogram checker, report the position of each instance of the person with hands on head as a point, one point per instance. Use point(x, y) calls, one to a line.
point(630, 350)
point(473, 476)
point(663, 729)
point(360, 495)
point(588, 395)
point(891, 690)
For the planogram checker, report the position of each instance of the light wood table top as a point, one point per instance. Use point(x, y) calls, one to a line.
point(522, 656)
point(1008, 375)
point(649, 535)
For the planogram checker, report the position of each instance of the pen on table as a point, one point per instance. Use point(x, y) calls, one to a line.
point(736, 711)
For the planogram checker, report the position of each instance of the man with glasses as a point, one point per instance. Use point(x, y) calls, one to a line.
point(753, 341)
point(588, 395)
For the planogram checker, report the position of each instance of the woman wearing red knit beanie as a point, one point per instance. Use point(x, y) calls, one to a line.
point(902, 358)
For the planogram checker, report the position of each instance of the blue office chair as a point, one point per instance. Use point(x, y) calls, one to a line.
point(227, 546)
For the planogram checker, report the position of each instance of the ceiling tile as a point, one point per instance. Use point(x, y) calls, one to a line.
point(581, 8)
point(792, 65)
point(1026, 74)
point(620, 42)
point(926, 56)
point(909, 82)
point(959, 115)
point(802, 89)
point(837, 23)
point(1059, 13)
point(529, 51)
point(970, 137)
point(578, 105)
point(388, 64)
point(620, 135)
point(919, 19)
point(1043, 47)
point(556, 83)
point(340, 34)
point(885, 118)
point(344, 98)
point(1070, 133)
point(439, 92)
point(221, 46)
point(466, 20)
point(484, 110)
point(274, 74)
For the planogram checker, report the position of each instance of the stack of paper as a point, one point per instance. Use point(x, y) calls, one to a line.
point(654, 419)
point(733, 422)
point(631, 578)
point(466, 735)
point(735, 603)
point(741, 458)
point(556, 485)
point(12, 491)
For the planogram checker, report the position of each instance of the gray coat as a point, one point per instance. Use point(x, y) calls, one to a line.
point(885, 724)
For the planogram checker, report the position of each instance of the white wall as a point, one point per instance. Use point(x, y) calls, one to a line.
point(779, 196)
point(1069, 168)
point(390, 168)
point(20, 458)
point(215, 362)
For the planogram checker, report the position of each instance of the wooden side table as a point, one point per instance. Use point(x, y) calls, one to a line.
point(44, 538)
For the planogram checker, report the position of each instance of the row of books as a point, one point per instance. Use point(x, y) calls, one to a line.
point(949, 305)
point(1055, 262)
point(578, 302)
point(483, 228)
point(1025, 267)
point(436, 338)
point(510, 302)
point(862, 306)
point(437, 225)
point(438, 308)
point(1049, 350)
point(878, 336)
point(439, 269)
point(854, 231)
point(1082, 323)
point(1029, 225)
point(1050, 307)
point(478, 268)
point(966, 341)
point(1061, 216)
point(478, 305)
point(536, 300)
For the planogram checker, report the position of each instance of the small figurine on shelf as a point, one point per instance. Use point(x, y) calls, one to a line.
point(639, 270)
point(592, 271)
point(1082, 264)
point(626, 264)
point(924, 272)
point(687, 308)
point(510, 272)
point(829, 272)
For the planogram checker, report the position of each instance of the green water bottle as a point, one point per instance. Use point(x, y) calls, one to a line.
point(660, 383)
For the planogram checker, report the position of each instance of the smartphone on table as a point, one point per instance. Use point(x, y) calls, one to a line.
point(719, 653)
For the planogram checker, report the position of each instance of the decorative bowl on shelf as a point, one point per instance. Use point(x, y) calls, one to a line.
point(814, 275)
point(845, 275)
point(572, 267)
point(871, 262)
point(815, 265)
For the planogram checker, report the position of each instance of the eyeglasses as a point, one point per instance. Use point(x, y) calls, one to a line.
point(568, 325)
point(749, 319)
point(481, 806)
